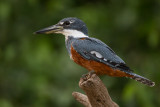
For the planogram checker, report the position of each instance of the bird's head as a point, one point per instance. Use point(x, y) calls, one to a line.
point(68, 27)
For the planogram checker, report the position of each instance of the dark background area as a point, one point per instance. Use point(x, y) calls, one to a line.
point(36, 71)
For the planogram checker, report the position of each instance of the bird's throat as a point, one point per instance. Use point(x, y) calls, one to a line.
point(73, 33)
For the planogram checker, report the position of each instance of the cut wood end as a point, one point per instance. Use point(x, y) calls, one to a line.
point(83, 99)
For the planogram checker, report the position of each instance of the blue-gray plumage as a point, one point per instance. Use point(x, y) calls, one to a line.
point(86, 46)
point(91, 53)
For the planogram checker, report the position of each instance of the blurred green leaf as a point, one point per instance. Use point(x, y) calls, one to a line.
point(5, 10)
point(5, 103)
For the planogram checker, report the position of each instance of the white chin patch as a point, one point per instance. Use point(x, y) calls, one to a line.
point(73, 33)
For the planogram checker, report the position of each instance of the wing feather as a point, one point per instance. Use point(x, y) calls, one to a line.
point(85, 46)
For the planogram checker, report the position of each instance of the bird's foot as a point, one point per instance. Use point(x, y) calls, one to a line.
point(92, 72)
point(88, 75)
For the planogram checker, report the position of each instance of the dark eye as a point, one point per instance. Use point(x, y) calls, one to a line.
point(66, 23)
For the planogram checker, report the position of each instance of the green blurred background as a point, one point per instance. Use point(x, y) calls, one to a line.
point(36, 71)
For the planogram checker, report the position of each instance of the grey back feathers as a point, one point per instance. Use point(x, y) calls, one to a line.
point(94, 49)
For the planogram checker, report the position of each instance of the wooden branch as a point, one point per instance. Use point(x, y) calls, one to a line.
point(83, 99)
point(97, 94)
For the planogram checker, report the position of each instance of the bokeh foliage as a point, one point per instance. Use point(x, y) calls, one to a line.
point(35, 70)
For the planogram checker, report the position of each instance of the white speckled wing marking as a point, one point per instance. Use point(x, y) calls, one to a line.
point(97, 54)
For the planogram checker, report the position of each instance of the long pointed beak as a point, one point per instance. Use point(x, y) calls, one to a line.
point(50, 29)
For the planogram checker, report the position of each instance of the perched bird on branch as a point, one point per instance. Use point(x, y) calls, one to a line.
point(91, 53)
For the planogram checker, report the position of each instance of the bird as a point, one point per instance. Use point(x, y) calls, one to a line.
point(91, 53)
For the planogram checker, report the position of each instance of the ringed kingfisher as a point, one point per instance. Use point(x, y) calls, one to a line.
point(91, 53)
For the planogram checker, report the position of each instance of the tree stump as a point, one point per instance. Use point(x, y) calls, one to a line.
point(96, 93)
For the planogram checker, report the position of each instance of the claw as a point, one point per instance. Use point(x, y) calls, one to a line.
point(88, 75)
point(84, 75)
point(92, 72)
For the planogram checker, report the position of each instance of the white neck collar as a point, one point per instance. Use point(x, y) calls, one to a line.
point(73, 33)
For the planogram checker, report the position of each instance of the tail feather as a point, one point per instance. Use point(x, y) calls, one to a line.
point(142, 80)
